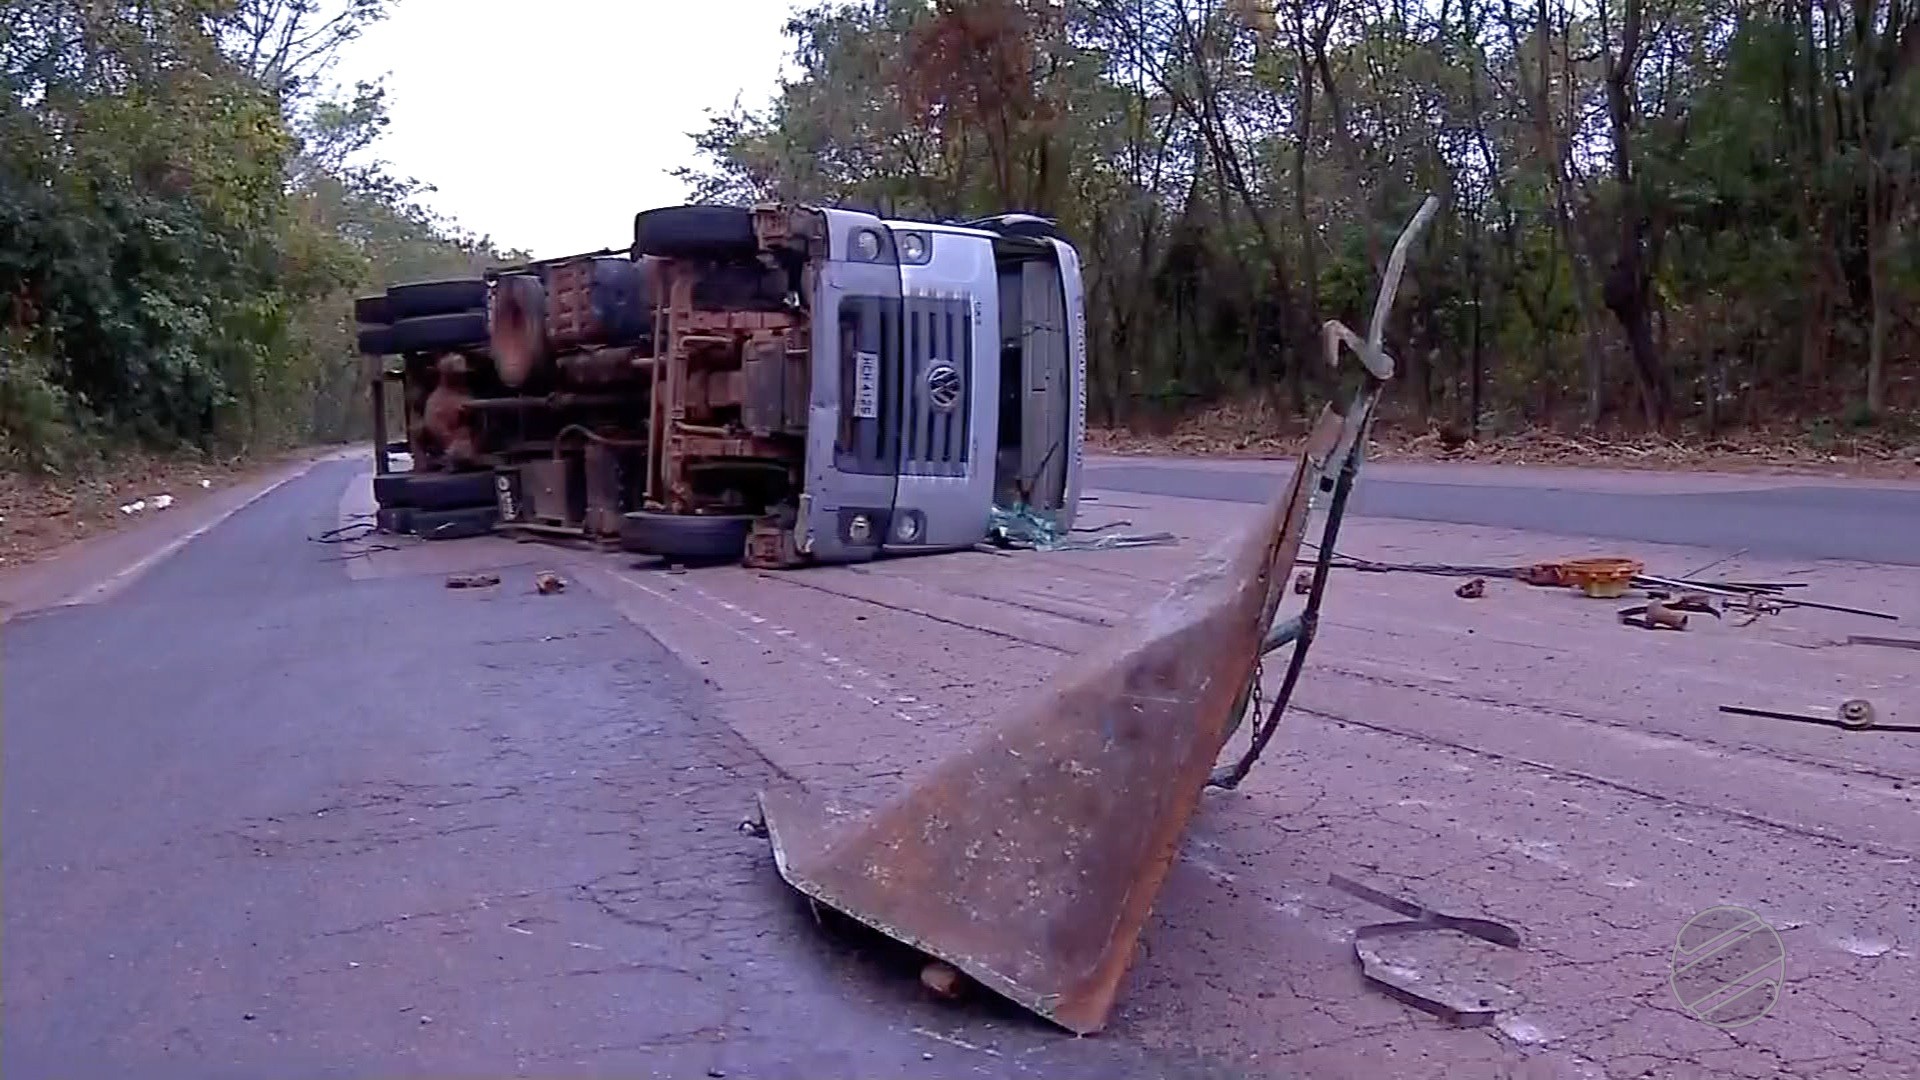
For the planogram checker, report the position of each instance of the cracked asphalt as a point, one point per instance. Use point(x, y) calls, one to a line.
point(263, 819)
point(270, 810)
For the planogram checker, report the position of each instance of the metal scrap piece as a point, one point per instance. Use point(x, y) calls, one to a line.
point(1885, 642)
point(1654, 616)
point(1443, 1000)
point(1854, 714)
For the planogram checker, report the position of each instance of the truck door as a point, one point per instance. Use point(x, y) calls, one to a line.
point(854, 436)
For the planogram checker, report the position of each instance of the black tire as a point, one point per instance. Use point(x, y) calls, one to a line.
point(454, 524)
point(695, 232)
point(394, 519)
point(429, 333)
point(372, 310)
point(450, 491)
point(417, 299)
point(688, 537)
point(393, 491)
point(376, 340)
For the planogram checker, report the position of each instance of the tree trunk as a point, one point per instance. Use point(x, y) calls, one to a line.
point(1629, 286)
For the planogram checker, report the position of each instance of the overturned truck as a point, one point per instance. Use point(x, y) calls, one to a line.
point(780, 384)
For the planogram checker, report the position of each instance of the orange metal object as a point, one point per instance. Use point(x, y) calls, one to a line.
point(1606, 577)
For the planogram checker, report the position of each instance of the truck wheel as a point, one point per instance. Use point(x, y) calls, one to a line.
point(432, 333)
point(393, 490)
point(450, 491)
point(517, 335)
point(692, 537)
point(454, 524)
point(372, 310)
point(375, 340)
point(693, 232)
point(417, 298)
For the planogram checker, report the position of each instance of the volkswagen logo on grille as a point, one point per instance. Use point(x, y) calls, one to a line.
point(943, 386)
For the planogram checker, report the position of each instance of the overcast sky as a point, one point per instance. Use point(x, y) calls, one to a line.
point(549, 123)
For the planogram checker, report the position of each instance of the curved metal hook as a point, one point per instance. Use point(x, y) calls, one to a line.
point(1371, 351)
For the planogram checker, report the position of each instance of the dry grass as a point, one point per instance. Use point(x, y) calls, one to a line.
point(1255, 430)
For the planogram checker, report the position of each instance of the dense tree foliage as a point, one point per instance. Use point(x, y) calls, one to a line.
point(1658, 212)
point(180, 230)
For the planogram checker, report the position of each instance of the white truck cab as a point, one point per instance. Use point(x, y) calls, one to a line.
point(949, 373)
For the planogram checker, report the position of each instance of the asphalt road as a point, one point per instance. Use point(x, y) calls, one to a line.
point(1813, 522)
point(266, 820)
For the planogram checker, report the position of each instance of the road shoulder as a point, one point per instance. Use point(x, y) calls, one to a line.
point(90, 570)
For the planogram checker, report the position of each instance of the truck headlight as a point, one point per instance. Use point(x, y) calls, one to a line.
point(866, 245)
point(860, 528)
point(906, 529)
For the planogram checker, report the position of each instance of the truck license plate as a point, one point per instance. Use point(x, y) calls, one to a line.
point(866, 385)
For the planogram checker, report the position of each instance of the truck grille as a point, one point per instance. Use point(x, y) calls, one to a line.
point(923, 383)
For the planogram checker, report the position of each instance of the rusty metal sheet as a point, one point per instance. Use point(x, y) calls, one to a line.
point(763, 405)
point(601, 471)
point(1030, 861)
point(569, 303)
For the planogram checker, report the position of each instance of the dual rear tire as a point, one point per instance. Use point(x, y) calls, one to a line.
point(423, 316)
point(436, 506)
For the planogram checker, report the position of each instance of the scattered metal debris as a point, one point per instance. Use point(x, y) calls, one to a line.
point(1611, 577)
point(1853, 714)
point(472, 581)
point(547, 582)
point(1022, 527)
point(1721, 561)
point(1769, 590)
point(1341, 560)
point(1543, 573)
point(1472, 590)
point(357, 531)
point(1663, 610)
point(1691, 601)
point(1447, 1002)
point(1653, 616)
point(1884, 642)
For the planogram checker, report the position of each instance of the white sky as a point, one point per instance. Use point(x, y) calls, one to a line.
point(549, 123)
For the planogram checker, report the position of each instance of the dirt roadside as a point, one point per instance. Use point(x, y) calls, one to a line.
point(66, 543)
point(1242, 432)
point(43, 516)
